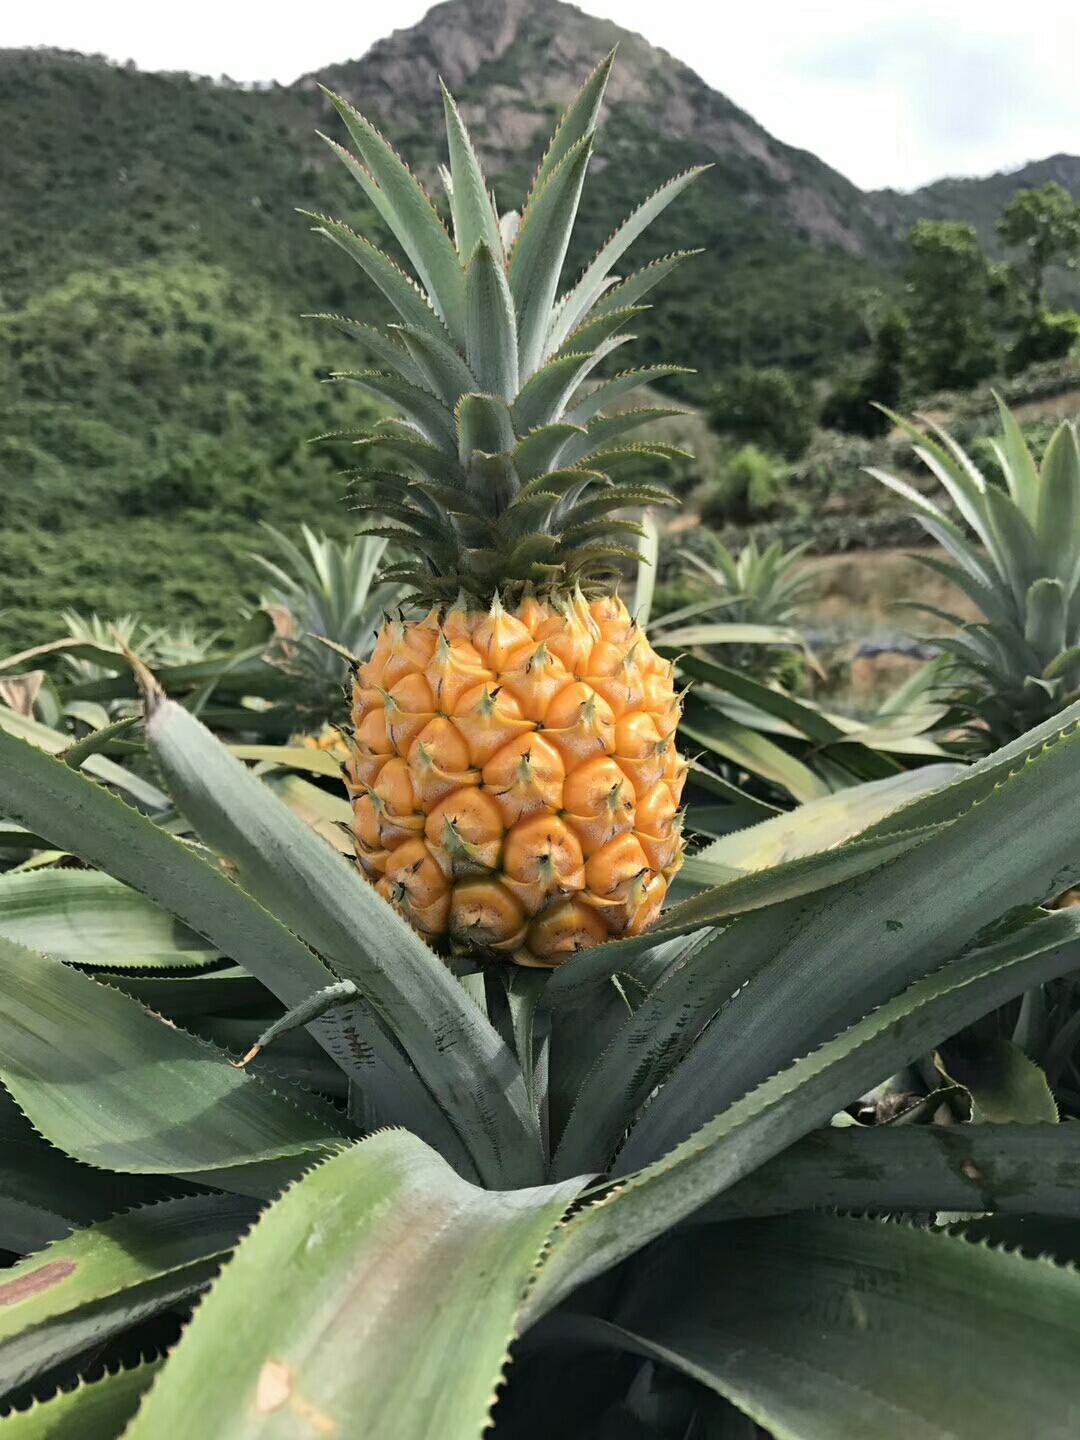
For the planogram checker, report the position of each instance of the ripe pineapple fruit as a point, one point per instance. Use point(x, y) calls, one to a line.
point(514, 775)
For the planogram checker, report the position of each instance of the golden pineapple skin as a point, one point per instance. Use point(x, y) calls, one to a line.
point(514, 777)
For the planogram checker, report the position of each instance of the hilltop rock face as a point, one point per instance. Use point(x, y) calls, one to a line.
point(526, 60)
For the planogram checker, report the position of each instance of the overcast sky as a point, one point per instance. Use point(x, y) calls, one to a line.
point(888, 94)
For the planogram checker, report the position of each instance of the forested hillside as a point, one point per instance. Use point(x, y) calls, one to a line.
point(158, 380)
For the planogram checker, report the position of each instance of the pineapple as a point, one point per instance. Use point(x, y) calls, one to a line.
point(514, 776)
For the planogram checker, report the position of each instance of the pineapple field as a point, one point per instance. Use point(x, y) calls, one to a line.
point(455, 982)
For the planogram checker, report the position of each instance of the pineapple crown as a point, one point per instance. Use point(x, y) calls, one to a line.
point(504, 472)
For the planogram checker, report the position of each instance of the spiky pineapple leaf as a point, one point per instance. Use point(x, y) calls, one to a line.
point(639, 283)
point(491, 341)
point(101, 1280)
point(591, 285)
point(786, 1318)
point(354, 1255)
point(87, 821)
point(646, 1203)
point(441, 368)
point(745, 747)
point(670, 1017)
point(403, 203)
point(578, 120)
point(382, 343)
point(434, 419)
point(471, 205)
point(620, 386)
point(1057, 519)
point(808, 829)
point(400, 289)
point(538, 451)
point(44, 1194)
point(1005, 1169)
point(117, 1087)
point(325, 902)
point(540, 246)
point(89, 919)
point(485, 425)
point(91, 1410)
point(1014, 849)
point(54, 742)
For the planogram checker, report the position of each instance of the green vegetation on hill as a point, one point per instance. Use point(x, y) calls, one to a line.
point(153, 415)
point(157, 380)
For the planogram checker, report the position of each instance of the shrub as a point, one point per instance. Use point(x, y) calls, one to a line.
point(1046, 336)
point(851, 406)
point(769, 407)
point(749, 485)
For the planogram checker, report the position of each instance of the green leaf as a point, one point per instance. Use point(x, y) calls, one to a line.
point(668, 1020)
point(1018, 465)
point(96, 1282)
point(539, 450)
point(89, 919)
point(603, 430)
point(573, 309)
point(52, 742)
point(402, 202)
point(490, 325)
point(1006, 1087)
point(471, 204)
point(1015, 549)
point(739, 894)
point(396, 1289)
point(1057, 523)
point(536, 260)
point(578, 120)
point(619, 386)
point(44, 1194)
point(431, 415)
point(547, 389)
point(119, 1088)
point(750, 750)
point(629, 291)
point(1014, 850)
point(787, 1320)
point(326, 903)
point(647, 569)
point(96, 1410)
point(441, 368)
point(645, 1204)
point(294, 757)
point(86, 820)
point(484, 424)
point(1013, 1169)
point(400, 289)
point(386, 346)
point(813, 827)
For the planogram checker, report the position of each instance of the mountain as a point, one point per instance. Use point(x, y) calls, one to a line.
point(156, 375)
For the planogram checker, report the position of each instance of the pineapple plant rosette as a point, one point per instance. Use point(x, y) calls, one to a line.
point(437, 1200)
point(1014, 552)
point(514, 773)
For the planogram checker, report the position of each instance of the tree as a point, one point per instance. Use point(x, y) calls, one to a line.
point(852, 403)
point(766, 407)
point(951, 342)
point(1045, 225)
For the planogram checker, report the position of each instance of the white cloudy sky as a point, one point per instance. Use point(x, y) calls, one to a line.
point(889, 94)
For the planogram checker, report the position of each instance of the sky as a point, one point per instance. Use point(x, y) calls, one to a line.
point(888, 94)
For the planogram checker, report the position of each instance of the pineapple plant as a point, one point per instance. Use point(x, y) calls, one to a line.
point(1014, 551)
point(514, 773)
point(458, 1199)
